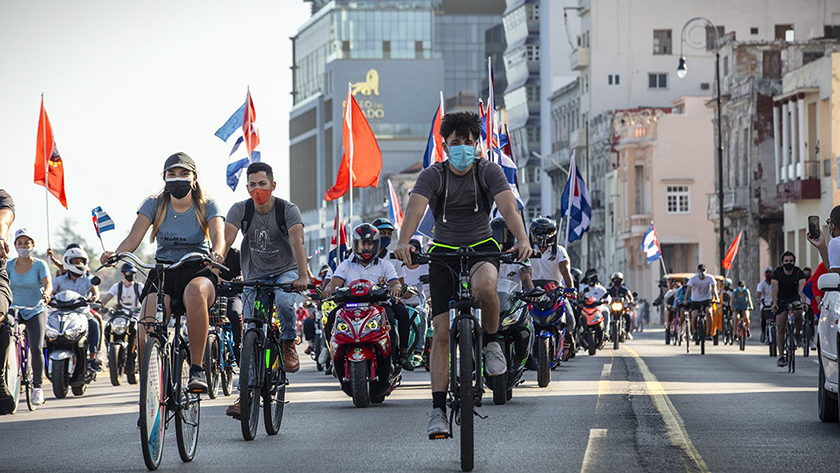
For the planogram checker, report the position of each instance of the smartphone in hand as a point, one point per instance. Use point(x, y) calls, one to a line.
point(813, 227)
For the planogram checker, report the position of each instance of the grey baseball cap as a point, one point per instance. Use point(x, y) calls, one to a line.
point(179, 160)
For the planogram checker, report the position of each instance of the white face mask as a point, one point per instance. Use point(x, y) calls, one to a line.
point(23, 252)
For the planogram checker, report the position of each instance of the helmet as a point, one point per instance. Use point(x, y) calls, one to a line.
point(576, 274)
point(727, 283)
point(543, 231)
point(128, 268)
point(365, 233)
point(617, 275)
point(77, 269)
point(501, 233)
point(383, 224)
point(590, 275)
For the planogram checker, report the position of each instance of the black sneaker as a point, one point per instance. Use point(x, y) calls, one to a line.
point(531, 364)
point(406, 363)
point(782, 362)
point(198, 380)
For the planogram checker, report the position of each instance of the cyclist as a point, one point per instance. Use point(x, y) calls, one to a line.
point(618, 290)
point(31, 287)
point(183, 220)
point(554, 264)
point(7, 217)
point(366, 265)
point(788, 282)
point(701, 291)
point(77, 278)
point(764, 296)
point(680, 303)
point(460, 193)
point(668, 300)
point(126, 291)
point(742, 304)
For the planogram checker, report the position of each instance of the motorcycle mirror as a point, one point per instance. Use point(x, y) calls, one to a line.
point(95, 280)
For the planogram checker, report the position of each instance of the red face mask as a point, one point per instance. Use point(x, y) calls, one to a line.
point(260, 196)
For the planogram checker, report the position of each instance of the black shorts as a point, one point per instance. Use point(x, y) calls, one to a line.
point(176, 280)
point(783, 303)
point(700, 305)
point(444, 274)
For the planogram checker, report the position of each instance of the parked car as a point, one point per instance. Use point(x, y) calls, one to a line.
point(827, 333)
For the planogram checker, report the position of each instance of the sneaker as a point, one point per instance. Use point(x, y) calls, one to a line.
point(494, 359)
point(95, 365)
point(438, 425)
point(308, 351)
point(406, 363)
point(198, 380)
point(290, 357)
point(37, 396)
point(629, 336)
point(531, 364)
point(763, 335)
point(233, 410)
point(7, 404)
point(322, 357)
point(781, 362)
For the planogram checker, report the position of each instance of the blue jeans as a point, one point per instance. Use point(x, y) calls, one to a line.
point(284, 301)
point(93, 335)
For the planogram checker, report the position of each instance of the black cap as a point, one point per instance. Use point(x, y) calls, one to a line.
point(179, 160)
point(701, 267)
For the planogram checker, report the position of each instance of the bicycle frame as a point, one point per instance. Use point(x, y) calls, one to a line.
point(465, 307)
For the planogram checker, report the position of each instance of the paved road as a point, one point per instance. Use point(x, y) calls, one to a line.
point(645, 407)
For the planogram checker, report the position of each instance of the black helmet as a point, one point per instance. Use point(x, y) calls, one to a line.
point(383, 224)
point(591, 274)
point(543, 231)
point(365, 233)
point(501, 233)
point(576, 274)
point(128, 268)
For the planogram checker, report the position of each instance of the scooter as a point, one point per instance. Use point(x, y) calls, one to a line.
point(120, 333)
point(516, 335)
point(619, 321)
point(547, 306)
point(66, 344)
point(593, 314)
point(361, 343)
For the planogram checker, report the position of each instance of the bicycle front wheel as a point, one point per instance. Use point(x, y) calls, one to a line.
point(791, 335)
point(188, 411)
point(152, 404)
point(250, 376)
point(466, 391)
point(274, 387)
point(701, 334)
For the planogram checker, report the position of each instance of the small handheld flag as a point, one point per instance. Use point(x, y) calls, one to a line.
point(101, 223)
point(650, 245)
point(394, 210)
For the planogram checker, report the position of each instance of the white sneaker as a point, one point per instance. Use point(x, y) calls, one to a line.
point(494, 359)
point(322, 357)
point(37, 396)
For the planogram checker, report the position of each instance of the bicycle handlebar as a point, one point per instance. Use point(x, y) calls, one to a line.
point(504, 257)
point(194, 256)
point(284, 286)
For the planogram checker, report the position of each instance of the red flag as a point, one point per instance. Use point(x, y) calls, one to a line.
point(249, 127)
point(46, 152)
point(730, 254)
point(361, 148)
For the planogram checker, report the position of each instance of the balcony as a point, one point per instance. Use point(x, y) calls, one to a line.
point(733, 201)
point(792, 191)
point(579, 58)
point(577, 138)
point(638, 225)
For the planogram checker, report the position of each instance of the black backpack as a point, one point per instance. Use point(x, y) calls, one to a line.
point(279, 215)
point(119, 292)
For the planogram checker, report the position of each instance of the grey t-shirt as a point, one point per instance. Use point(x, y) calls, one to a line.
point(6, 202)
point(266, 251)
point(464, 225)
point(179, 233)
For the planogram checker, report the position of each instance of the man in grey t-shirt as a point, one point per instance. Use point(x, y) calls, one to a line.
point(272, 250)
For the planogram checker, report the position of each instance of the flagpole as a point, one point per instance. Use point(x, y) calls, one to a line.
point(348, 113)
point(572, 183)
point(46, 169)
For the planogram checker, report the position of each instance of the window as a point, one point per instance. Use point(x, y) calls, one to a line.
point(386, 49)
point(657, 80)
point(753, 30)
point(661, 41)
point(533, 11)
point(781, 32)
point(613, 79)
point(532, 52)
point(711, 37)
point(678, 200)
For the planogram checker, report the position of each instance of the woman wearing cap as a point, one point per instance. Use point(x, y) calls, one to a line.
point(31, 287)
point(183, 220)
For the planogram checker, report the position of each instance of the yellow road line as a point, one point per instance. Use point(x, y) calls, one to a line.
point(590, 446)
point(673, 422)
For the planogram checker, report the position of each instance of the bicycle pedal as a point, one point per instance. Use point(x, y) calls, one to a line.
point(479, 415)
point(440, 436)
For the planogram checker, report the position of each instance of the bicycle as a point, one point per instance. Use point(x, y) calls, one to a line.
point(742, 331)
point(701, 327)
point(18, 369)
point(728, 327)
point(770, 329)
point(262, 374)
point(219, 352)
point(465, 360)
point(790, 336)
point(163, 394)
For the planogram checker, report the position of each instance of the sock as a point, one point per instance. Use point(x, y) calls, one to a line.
point(490, 337)
point(439, 400)
point(196, 369)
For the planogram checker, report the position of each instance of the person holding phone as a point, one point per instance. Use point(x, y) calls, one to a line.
point(829, 250)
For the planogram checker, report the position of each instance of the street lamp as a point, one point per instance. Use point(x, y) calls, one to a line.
point(682, 71)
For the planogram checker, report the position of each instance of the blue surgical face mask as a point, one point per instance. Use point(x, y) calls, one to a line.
point(384, 242)
point(461, 156)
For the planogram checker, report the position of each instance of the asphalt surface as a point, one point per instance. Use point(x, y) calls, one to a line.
point(645, 407)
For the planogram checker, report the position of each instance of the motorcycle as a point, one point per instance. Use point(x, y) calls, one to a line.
point(619, 321)
point(516, 335)
point(593, 315)
point(547, 307)
point(361, 343)
point(66, 344)
point(120, 334)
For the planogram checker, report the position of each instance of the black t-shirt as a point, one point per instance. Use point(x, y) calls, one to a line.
point(6, 202)
point(788, 283)
point(232, 261)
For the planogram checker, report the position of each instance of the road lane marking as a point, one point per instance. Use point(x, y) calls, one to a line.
point(604, 383)
point(673, 422)
point(590, 447)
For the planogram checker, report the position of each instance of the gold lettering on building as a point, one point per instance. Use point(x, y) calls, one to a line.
point(369, 86)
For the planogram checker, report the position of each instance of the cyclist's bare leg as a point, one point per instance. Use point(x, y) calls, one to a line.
point(693, 315)
point(148, 309)
point(483, 283)
point(439, 369)
point(199, 295)
point(781, 331)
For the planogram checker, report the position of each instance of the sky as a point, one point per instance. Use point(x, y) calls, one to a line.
point(127, 84)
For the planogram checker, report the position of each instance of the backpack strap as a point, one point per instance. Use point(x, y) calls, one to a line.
point(136, 291)
point(119, 293)
point(279, 215)
point(440, 196)
point(248, 217)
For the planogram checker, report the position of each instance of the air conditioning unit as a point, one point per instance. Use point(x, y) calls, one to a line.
point(704, 86)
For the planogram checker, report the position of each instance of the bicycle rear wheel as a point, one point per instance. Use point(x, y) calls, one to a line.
point(791, 343)
point(152, 404)
point(742, 337)
point(188, 412)
point(701, 334)
point(274, 388)
point(466, 392)
point(250, 377)
point(211, 365)
point(806, 336)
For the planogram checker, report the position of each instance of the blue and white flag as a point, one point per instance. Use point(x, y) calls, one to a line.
point(233, 133)
point(650, 245)
point(101, 221)
point(576, 204)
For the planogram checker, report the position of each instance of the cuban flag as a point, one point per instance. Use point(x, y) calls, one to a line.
point(101, 221)
point(338, 242)
point(650, 245)
point(502, 155)
point(576, 204)
point(434, 145)
point(240, 132)
point(394, 211)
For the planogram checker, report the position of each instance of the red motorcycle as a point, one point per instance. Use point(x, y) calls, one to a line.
point(593, 317)
point(361, 343)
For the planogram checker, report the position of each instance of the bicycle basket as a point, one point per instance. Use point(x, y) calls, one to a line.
point(218, 313)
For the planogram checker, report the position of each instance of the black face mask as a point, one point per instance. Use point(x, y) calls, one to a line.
point(129, 277)
point(788, 266)
point(179, 189)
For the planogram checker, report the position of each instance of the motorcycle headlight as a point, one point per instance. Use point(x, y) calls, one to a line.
point(372, 324)
point(511, 319)
point(118, 325)
point(52, 333)
point(72, 331)
point(343, 327)
point(616, 306)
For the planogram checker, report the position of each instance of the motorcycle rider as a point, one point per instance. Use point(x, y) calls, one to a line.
point(592, 287)
point(7, 217)
point(788, 282)
point(701, 290)
point(29, 280)
point(126, 291)
point(618, 290)
point(77, 278)
point(554, 263)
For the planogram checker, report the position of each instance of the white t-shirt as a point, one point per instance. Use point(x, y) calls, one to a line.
point(129, 296)
point(412, 278)
point(834, 253)
point(512, 272)
point(701, 289)
point(597, 291)
point(378, 271)
point(547, 267)
point(765, 293)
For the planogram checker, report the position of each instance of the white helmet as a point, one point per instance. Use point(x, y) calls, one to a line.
point(617, 275)
point(77, 269)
